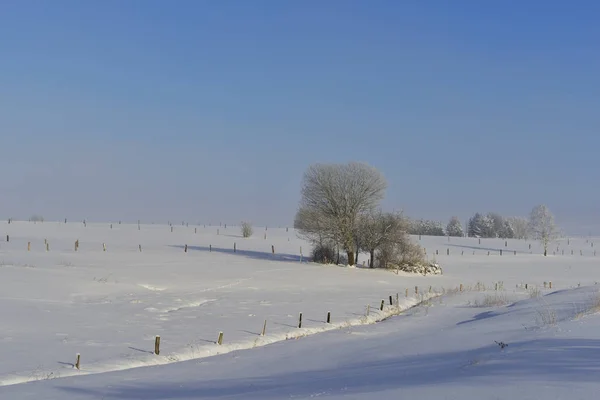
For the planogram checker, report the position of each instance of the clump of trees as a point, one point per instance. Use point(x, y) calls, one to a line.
point(247, 229)
point(540, 226)
point(339, 213)
point(492, 225)
point(426, 228)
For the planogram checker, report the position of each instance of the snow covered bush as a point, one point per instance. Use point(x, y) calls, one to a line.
point(247, 230)
point(422, 269)
point(407, 257)
point(491, 300)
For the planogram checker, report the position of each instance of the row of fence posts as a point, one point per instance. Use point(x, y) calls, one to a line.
point(220, 336)
point(263, 333)
point(76, 247)
point(500, 252)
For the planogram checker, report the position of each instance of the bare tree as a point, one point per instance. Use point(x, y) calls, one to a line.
point(377, 229)
point(247, 230)
point(542, 226)
point(320, 231)
point(333, 196)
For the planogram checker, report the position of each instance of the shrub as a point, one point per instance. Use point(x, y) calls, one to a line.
point(247, 229)
point(534, 293)
point(36, 218)
point(323, 254)
point(407, 257)
point(491, 300)
point(546, 316)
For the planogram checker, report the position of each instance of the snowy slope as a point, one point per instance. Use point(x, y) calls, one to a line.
point(444, 350)
point(109, 306)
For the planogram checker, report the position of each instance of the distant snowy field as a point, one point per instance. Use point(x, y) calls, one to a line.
point(109, 305)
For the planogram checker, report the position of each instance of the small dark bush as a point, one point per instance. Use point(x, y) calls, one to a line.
point(324, 254)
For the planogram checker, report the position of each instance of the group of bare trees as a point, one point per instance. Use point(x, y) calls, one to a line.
point(339, 212)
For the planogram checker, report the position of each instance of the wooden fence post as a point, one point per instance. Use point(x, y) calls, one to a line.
point(157, 345)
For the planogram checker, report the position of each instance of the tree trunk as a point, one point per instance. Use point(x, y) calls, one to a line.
point(350, 257)
point(371, 261)
point(356, 257)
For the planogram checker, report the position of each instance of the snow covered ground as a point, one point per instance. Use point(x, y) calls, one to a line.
point(109, 305)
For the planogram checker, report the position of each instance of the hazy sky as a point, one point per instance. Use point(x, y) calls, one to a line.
point(212, 110)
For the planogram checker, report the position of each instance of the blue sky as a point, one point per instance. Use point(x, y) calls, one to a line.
point(212, 110)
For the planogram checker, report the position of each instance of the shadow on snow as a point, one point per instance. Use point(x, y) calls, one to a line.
point(256, 255)
point(570, 361)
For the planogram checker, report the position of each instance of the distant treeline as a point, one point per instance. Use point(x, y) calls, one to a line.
point(491, 225)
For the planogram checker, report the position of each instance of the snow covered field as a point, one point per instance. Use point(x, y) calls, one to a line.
point(109, 305)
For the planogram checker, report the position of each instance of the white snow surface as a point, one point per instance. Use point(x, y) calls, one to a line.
point(109, 306)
